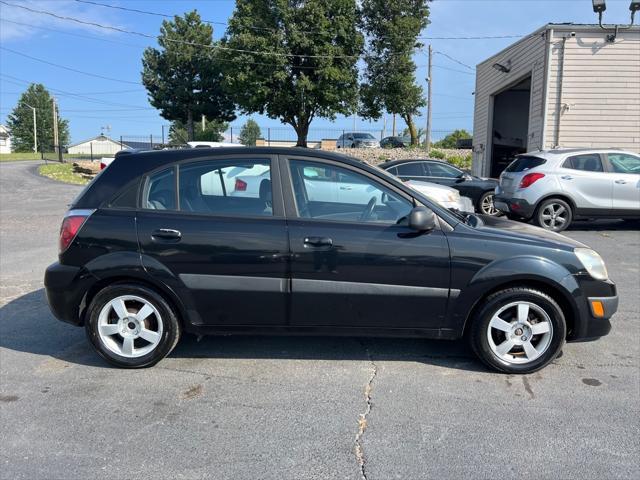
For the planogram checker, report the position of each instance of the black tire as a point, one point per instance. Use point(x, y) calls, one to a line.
point(170, 325)
point(483, 198)
point(553, 224)
point(478, 333)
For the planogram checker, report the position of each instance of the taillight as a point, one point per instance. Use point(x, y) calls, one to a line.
point(530, 178)
point(241, 186)
point(103, 165)
point(71, 226)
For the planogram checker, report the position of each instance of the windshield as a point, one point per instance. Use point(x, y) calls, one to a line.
point(366, 136)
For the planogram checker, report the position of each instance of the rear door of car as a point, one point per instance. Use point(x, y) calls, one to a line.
point(624, 168)
point(352, 270)
point(226, 255)
point(585, 181)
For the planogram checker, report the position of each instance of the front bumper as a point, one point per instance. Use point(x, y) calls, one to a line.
point(597, 302)
point(515, 206)
point(65, 287)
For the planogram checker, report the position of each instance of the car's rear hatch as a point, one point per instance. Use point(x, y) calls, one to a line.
point(512, 176)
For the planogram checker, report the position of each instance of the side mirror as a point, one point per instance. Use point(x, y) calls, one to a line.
point(422, 219)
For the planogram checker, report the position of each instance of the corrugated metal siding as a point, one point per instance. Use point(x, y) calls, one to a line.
point(527, 57)
point(600, 104)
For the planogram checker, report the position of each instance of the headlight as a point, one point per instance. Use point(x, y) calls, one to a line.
point(592, 262)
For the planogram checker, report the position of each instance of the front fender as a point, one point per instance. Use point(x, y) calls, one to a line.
point(510, 272)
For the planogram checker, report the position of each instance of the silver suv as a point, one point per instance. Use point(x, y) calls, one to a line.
point(554, 187)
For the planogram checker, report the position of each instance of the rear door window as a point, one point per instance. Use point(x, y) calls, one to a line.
point(413, 169)
point(590, 162)
point(522, 164)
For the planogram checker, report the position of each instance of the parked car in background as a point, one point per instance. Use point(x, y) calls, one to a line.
point(357, 140)
point(146, 254)
point(479, 190)
point(395, 142)
point(445, 196)
point(199, 144)
point(555, 187)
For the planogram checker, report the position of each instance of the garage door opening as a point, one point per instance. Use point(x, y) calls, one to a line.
point(510, 125)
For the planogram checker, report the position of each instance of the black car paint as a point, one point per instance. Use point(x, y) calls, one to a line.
point(468, 185)
point(240, 275)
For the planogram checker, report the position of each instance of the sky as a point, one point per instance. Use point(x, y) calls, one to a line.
point(113, 96)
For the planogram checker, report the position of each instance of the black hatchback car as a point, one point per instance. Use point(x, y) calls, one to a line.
point(292, 241)
point(481, 191)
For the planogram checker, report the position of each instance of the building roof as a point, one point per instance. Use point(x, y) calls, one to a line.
point(4, 131)
point(569, 27)
point(101, 138)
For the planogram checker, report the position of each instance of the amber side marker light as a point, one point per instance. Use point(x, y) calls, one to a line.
point(597, 308)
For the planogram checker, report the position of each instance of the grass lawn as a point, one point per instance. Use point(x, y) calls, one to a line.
point(18, 156)
point(63, 172)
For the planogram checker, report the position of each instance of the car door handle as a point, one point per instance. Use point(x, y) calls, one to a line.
point(566, 177)
point(621, 182)
point(346, 188)
point(166, 234)
point(318, 242)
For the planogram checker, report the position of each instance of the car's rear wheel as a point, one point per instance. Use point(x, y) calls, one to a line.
point(518, 330)
point(486, 205)
point(554, 214)
point(131, 326)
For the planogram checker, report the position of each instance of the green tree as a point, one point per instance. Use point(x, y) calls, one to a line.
point(213, 132)
point(183, 78)
point(392, 28)
point(451, 140)
point(20, 121)
point(307, 67)
point(249, 133)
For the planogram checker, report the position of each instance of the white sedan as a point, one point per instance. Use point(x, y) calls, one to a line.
point(446, 196)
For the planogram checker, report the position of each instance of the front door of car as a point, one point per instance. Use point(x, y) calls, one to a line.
point(226, 251)
point(443, 174)
point(353, 263)
point(625, 171)
point(585, 181)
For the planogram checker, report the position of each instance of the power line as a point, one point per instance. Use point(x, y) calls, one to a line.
point(446, 55)
point(68, 68)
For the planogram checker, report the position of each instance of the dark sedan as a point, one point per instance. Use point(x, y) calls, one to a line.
point(395, 142)
point(480, 190)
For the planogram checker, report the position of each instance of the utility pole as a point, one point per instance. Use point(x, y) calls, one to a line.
point(393, 128)
point(35, 130)
point(56, 141)
point(427, 141)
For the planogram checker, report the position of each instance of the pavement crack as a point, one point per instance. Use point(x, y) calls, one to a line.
point(362, 419)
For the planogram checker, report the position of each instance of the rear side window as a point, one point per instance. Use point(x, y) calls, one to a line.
point(522, 164)
point(590, 162)
point(160, 190)
point(411, 169)
point(233, 187)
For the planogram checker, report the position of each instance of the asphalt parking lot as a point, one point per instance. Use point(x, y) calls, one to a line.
point(289, 408)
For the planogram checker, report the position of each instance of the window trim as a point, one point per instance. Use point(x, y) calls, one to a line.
point(291, 206)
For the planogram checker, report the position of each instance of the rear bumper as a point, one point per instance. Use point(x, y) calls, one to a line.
point(515, 206)
point(65, 287)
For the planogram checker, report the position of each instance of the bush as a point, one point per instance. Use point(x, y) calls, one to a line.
point(437, 154)
point(463, 162)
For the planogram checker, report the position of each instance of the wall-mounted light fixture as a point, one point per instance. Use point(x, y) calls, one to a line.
point(599, 6)
point(503, 68)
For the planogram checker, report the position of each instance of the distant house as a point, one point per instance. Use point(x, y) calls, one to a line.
point(564, 85)
point(5, 140)
point(100, 145)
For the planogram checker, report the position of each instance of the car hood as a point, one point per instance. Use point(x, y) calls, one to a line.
point(523, 232)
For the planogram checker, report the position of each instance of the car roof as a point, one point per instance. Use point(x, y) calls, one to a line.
point(393, 163)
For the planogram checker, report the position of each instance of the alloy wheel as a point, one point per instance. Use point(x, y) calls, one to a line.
point(487, 206)
point(130, 326)
point(519, 332)
point(554, 216)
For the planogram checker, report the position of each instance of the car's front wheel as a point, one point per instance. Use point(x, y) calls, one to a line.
point(131, 326)
point(554, 214)
point(486, 205)
point(518, 330)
